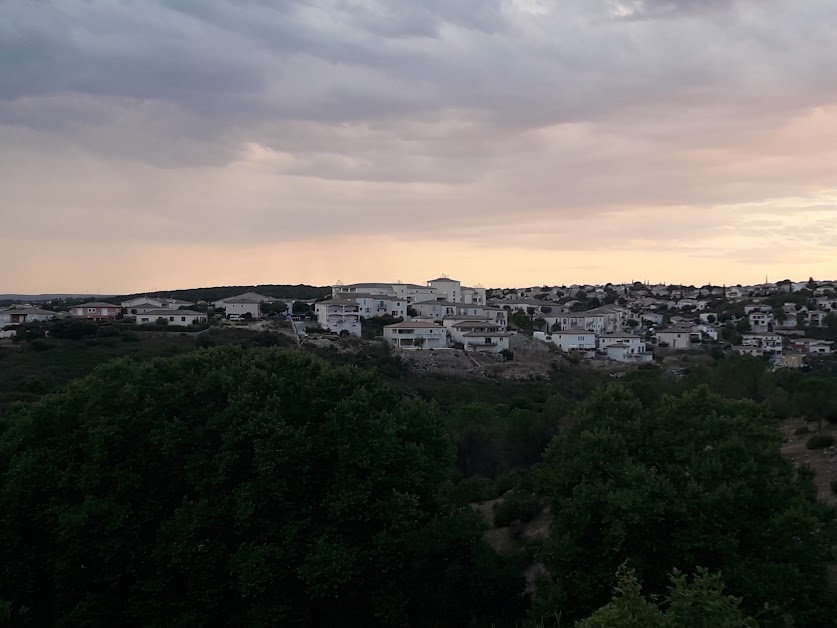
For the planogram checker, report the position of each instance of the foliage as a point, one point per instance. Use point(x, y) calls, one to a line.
point(706, 475)
point(695, 603)
point(300, 307)
point(520, 321)
point(373, 327)
point(517, 506)
point(818, 441)
point(224, 486)
point(300, 291)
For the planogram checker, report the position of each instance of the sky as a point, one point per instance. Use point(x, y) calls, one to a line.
point(162, 144)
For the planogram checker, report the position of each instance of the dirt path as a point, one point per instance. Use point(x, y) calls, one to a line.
point(823, 461)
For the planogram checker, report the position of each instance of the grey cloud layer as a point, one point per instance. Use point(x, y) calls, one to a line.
point(364, 111)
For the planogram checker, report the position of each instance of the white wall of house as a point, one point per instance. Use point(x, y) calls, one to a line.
point(178, 318)
point(635, 343)
point(627, 353)
point(449, 289)
point(338, 316)
point(574, 340)
point(473, 295)
point(675, 339)
point(460, 331)
point(486, 342)
point(416, 335)
point(253, 309)
point(771, 343)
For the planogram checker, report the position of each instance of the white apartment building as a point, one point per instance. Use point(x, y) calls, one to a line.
point(408, 292)
point(378, 305)
point(338, 315)
point(416, 335)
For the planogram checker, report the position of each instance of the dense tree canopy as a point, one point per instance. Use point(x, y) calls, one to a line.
point(221, 487)
point(697, 481)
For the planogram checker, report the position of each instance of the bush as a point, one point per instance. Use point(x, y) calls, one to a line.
point(818, 441)
point(802, 429)
point(517, 507)
point(468, 491)
point(834, 486)
point(508, 355)
point(507, 482)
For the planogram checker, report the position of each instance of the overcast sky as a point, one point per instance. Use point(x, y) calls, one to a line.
point(167, 144)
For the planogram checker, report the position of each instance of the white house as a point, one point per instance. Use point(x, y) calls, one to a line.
point(416, 335)
point(576, 339)
point(627, 353)
point(447, 288)
point(408, 292)
point(674, 337)
point(179, 318)
point(247, 305)
point(760, 322)
point(816, 318)
point(812, 346)
point(160, 303)
point(459, 331)
point(486, 341)
point(633, 342)
point(17, 314)
point(339, 315)
point(602, 320)
point(379, 305)
point(769, 343)
point(705, 331)
point(750, 350)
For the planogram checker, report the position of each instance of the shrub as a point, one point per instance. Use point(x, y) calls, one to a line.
point(818, 441)
point(517, 507)
point(507, 354)
point(802, 429)
point(506, 482)
point(834, 486)
point(468, 491)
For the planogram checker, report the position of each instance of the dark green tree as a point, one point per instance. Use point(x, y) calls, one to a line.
point(695, 481)
point(221, 487)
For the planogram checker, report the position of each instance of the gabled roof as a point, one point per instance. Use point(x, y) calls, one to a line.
point(28, 311)
point(97, 304)
point(164, 313)
point(475, 324)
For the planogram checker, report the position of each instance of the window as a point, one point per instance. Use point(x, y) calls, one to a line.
point(182, 318)
point(171, 319)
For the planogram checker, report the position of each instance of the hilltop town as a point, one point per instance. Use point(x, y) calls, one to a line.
point(786, 322)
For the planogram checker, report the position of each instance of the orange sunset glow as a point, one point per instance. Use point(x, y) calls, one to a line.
point(506, 143)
